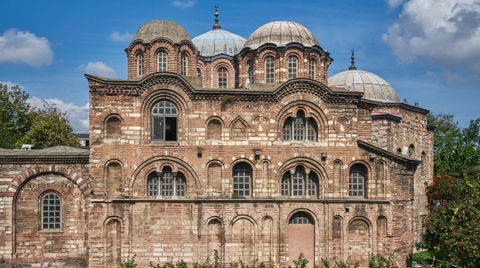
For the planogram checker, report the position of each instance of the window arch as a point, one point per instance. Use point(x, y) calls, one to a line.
point(292, 67)
point(250, 71)
point(166, 183)
point(140, 64)
point(164, 121)
point(299, 183)
point(242, 177)
point(411, 151)
point(311, 69)
point(357, 181)
point(270, 70)
point(114, 127)
point(300, 218)
point(184, 65)
point(222, 78)
point(51, 212)
point(300, 128)
point(162, 61)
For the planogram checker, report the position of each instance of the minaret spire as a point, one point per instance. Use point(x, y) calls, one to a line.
point(216, 25)
point(353, 67)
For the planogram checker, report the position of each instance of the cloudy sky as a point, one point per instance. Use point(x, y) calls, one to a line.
point(428, 50)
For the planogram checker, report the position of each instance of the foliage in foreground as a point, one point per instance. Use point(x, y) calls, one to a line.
point(21, 124)
point(454, 227)
point(377, 261)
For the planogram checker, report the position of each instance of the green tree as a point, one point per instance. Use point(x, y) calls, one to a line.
point(460, 154)
point(447, 128)
point(49, 127)
point(14, 115)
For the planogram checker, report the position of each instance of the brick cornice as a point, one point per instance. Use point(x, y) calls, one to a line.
point(385, 153)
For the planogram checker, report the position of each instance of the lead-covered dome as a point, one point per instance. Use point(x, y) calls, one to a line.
point(161, 29)
point(373, 86)
point(281, 33)
point(218, 41)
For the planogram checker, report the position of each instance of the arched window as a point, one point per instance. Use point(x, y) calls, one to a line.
point(399, 151)
point(199, 72)
point(164, 121)
point(423, 163)
point(356, 183)
point(140, 63)
point(300, 183)
point(411, 151)
point(167, 183)
point(250, 71)
point(300, 218)
point(311, 69)
point(162, 61)
point(222, 78)
point(184, 65)
point(51, 212)
point(270, 70)
point(304, 128)
point(241, 179)
point(292, 67)
point(114, 127)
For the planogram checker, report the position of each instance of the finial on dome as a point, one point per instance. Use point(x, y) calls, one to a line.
point(216, 25)
point(353, 67)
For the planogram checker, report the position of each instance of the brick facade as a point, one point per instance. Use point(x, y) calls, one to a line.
point(116, 202)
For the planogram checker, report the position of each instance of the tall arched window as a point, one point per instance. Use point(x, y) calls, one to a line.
point(164, 121)
point(304, 128)
point(300, 183)
point(356, 183)
point(241, 179)
point(162, 61)
point(411, 151)
point(250, 71)
point(140, 63)
point(199, 72)
point(114, 128)
point(222, 78)
point(168, 184)
point(51, 212)
point(292, 67)
point(184, 65)
point(270, 70)
point(311, 69)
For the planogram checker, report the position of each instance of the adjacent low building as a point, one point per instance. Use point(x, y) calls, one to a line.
point(184, 159)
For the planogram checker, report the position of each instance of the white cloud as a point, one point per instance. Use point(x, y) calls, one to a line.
point(431, 74)
point(442, 32)
point(185, 3)
point(117, 37)
point(10, 84)
point(98, 68)
point(394, 3)
point(79, 116)
point(24, 47)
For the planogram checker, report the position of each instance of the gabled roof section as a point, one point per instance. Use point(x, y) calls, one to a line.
point(386, 153)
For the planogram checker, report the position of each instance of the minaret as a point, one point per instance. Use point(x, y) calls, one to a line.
point(216, 26)
point(353, 67)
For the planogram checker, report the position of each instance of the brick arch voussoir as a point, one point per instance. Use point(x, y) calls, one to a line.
point(307, 162)
point(70, 174)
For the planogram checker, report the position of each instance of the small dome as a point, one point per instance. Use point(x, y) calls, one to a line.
point(372, 85)
point(218, 41)
point(161, 29)
point(281, 33)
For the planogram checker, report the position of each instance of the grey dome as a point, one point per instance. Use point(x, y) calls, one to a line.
point(218, 41)
point(372, 85)
point(161, 29)
point(281, 33)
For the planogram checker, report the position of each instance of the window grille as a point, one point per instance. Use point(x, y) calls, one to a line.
point(51, 212)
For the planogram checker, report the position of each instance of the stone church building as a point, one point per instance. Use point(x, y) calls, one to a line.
point(244, 146)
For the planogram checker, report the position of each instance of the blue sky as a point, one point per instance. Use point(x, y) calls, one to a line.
point(428, 50)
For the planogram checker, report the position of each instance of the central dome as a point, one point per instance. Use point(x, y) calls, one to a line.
point(281, 33)
point(218, 41)
point(156, 29)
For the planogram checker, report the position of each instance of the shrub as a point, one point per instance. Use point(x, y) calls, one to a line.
point(130, 263)
point(379, 261)
point(339, 264)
